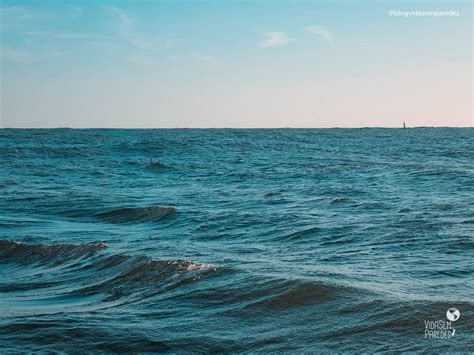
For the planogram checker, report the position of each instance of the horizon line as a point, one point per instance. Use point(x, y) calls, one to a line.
point(235, 128)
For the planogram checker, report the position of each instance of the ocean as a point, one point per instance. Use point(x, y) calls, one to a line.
point(230, 240)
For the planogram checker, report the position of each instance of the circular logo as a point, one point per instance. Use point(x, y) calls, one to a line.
point(453, 314)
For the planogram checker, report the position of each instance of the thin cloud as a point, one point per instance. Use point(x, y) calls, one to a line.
point(18, 17)
point(149, 45)
point(275, 39)
point(20, 56)
point(141, 60)
point(324, 33)
point(204, 58)
point(125, 21)
point(64, 35)
point(77, 11)
point(128, 33)
point(16, 13)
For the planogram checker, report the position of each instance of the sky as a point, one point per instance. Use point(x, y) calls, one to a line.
point(140, 64)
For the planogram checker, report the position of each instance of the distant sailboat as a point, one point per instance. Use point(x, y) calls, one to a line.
point(404, 125)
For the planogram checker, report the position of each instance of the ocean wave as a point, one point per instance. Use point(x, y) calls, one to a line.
point(15, 251)
point(22, 253)
point(156, 166)
point(289, 294)
point(83, 272)
point(250, 295)
point(138, 214)
point(341, 200)
point(137, 278)
point(298, 235)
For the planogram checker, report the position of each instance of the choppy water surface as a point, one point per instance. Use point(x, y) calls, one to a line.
point(235, 240)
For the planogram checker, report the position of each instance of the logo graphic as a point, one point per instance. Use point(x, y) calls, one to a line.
point(453, 314)
point(442, 329)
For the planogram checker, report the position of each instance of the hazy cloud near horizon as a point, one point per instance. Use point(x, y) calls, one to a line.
point(234, 64)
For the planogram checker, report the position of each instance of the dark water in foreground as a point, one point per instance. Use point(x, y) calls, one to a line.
point(272, 240)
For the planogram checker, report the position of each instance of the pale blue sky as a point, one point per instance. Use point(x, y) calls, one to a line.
point(234, 64)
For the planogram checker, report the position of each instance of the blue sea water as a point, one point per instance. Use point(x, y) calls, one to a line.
point(223, 240)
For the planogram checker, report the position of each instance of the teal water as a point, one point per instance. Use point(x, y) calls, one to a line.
point(235, 240)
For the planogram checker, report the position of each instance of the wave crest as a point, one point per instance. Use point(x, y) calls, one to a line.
point(95, 279)
point(137, 214)
point(22, 253)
